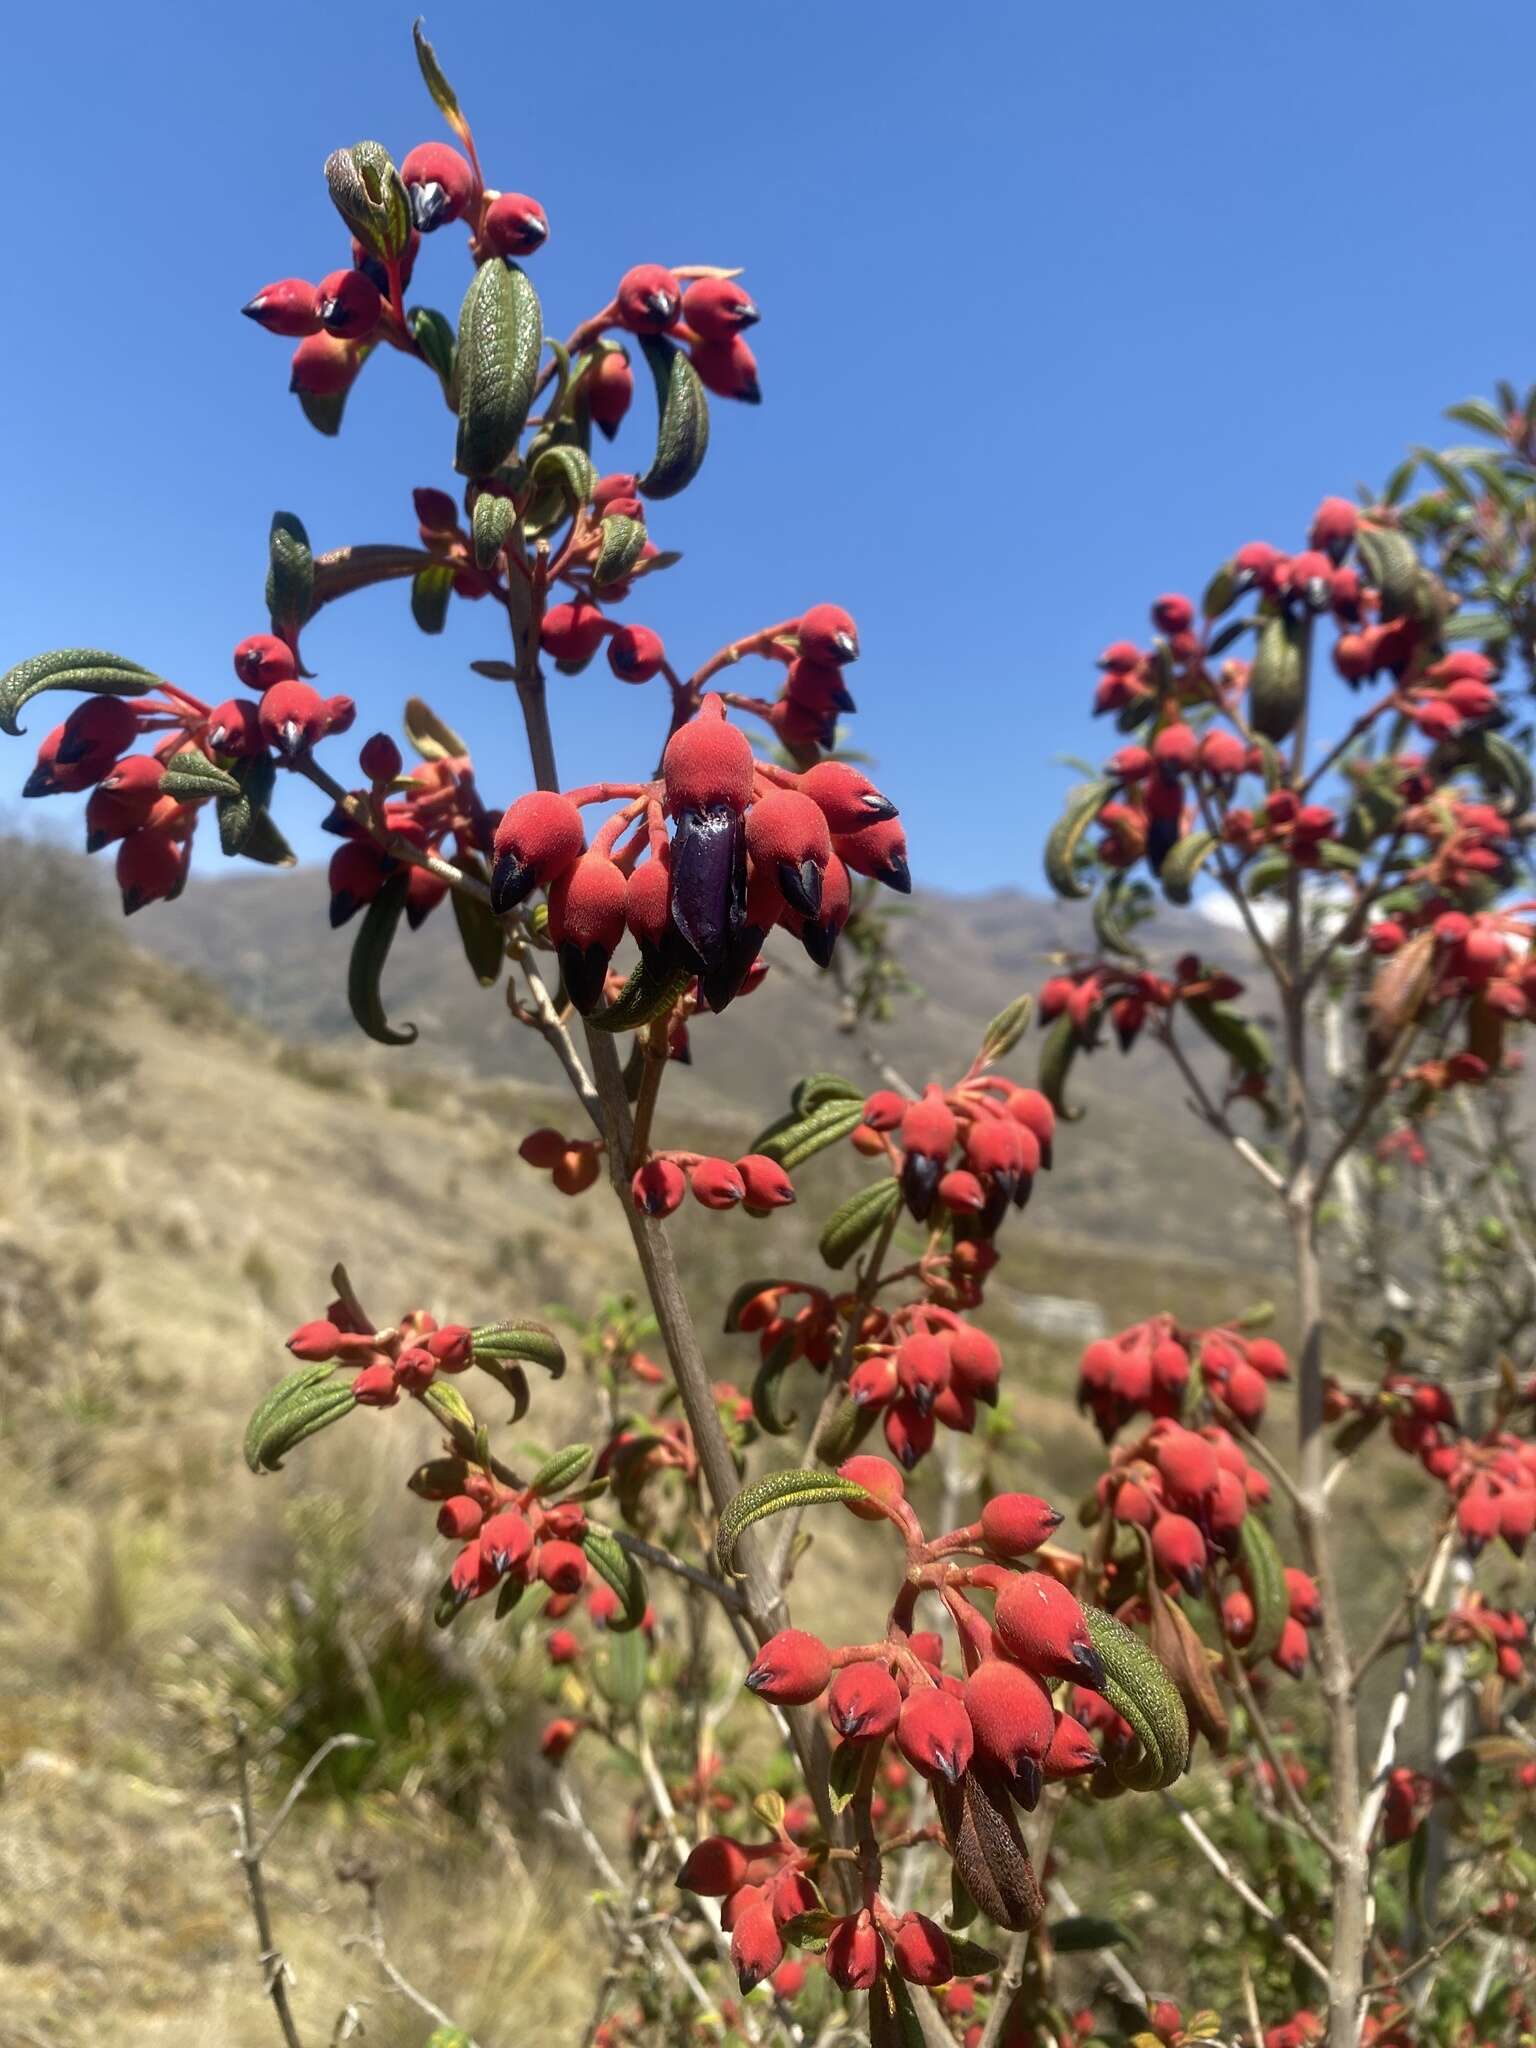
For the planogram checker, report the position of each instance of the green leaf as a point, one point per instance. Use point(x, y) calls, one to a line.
point(1264, 1575)
point(848, 1759)
point(771, 1496)
point(190, 775)
point(323, 410)
point(648, 994)
point(494, 523)
point(765, 1387)
point(813, 1091)
point(1276, 678)
point(619, 1671)
point(561, 1470)
point(501, 337)
point(444, 98)
point(682, 426)
point(70, 668)
point(1183, 863)
point(962, 1907)
point(793, 1140)
point(265, 843)
point(969, 1958)
point(857, 1221)
point(480, 934)
point(366, 191)
point(1083, 806)
point(1244, 1042)
point(621, 542)
point(614, 1565)
point(1137, 1687)
point(533, 1343)
point(432, 333)
point(306, 1401)
point(812, 1929)
point(1059, 1050)
point(1007, 1028)
point(568, 471)
point(1391, 563)
point(370, 949)
point(1110, 927)
point(1080, 1933)
point(290, 575)
point(431, 589)
point(1478, 414)
point(238, 814)
point(1221, 593)
point(431, 737)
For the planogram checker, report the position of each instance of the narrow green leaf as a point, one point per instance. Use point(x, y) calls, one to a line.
point(1137, 1686)
point(1080, 1933)
point(237, 814)
point(432, 737)
point(480, 934)
point(432, 333)
point(682, 428)
point(70, 668)
point(621, 542)
point(765, 1389)
point(501, 337)
point(1007, 1028)
point(444, 98)
point(304, 1402)
point(1276, 678)
point(1245, 1043)
point(533, 1343)
point(647, 994)
point(494, 523)
point(290, 575)
point(370, 950)
point(431, 589)
point(190, 775)
point(852, 1225)
point(1061, 848)
point(770, 1496)
point(1183, 863)
point(561, 1470)
point(613, 1563)
point(619, 1671)
point(1264, 1574)
point(1057, 1052)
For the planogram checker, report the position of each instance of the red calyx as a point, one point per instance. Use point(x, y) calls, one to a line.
point(649, 299)
point(791, 1668)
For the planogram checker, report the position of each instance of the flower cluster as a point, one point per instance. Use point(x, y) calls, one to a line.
point(1490, 1479)
point(435, 811)
point(986, 1737)
point(752, 846)
point(1501, 1634)
point(1146, 1369)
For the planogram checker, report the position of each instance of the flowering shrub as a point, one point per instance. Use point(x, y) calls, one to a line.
point(1020, 1687)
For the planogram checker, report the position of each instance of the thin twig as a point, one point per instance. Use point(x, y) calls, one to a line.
point(1209, 1114)
point(296, 1789)
point(1397, 1712)
point(374, 1941)
point(1241, 1886)
point(664, 1561)
point(276, 1976)
point(1431, 1954)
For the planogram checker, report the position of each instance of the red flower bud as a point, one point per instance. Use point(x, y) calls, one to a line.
point(717, 308)
point(1179, 1550)
point(827, 634)
point(1042, 1625)
point(879, 851)
point(767, 1185)
point(1237, 1618)
point(847, 799)
point(1071, 1749)
point(976, 1362)
point(460, 1518)
point(717, 1184)
point(791, 1668)
point(727, 368)
point(787, 833)
point(921, 1950)
point(557, 1738)
point(853, 1952)
point(885, 1109)
point(314, 1341)
point(635, 654)
point(151, 868)
point(562, 1566)
point(923, 1367)
point(290, 307)
point(514, 225)
point(358, 871)
point(324, 366)
point(649, 299)
point(934, 1734)
point(757, 1948)
point(1291, 1653)
point(292, 718)
point(1010, 1713)
point(261, 660)
point(506, 1539)
point(439, 184)
point(909, 1432)
point(713, 1868)
point(1014, 1524)
point(864, 1702)
point(539, 838)
point(374, 1387)
point(415, 1370)
point(379, 758)
point(1333, 526)
point(658, 1188)
point(351, 305)
point(572, 633)
point(610, 388)
point(1188, 1464)
point(1173, 614)
point(1306, 1603)
point(877, 1476)
point(708, 763)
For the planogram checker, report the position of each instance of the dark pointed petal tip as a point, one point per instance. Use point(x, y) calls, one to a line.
point(429, 202)
point(897, 875)
point(800, 886)
point(585, 969)
point(343, 905)
point(95, 841)
point(879, 807)
point(1090, 1664)
point(253, 308)
point(38, 783)
point(511, 883)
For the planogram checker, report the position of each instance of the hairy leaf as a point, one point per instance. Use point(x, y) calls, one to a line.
point(1061, 848)
point(501, 337)
point(370, 950)
point(771, 1496)
point(1139, 1689)
point(70, 668)
point(682, 426)
point(299, 1405)
point(857, 1221)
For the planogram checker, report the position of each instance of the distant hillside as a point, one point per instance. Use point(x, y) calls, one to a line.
point(264, 940)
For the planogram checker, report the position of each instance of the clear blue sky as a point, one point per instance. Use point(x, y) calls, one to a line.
point(1059, 305)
